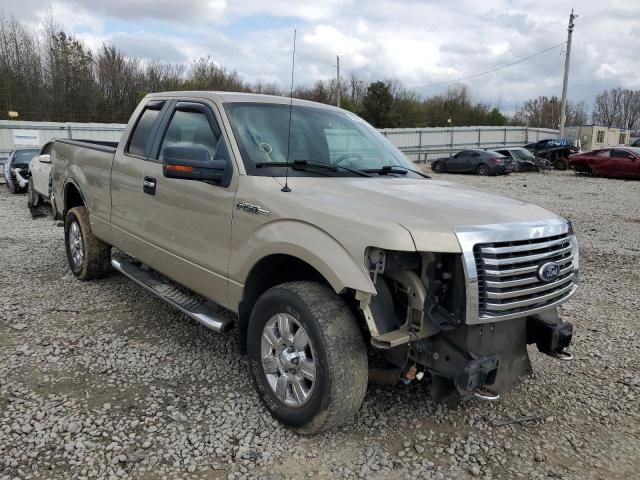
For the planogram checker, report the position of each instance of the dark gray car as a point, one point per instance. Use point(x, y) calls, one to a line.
point(524, 160)
point(480, 162)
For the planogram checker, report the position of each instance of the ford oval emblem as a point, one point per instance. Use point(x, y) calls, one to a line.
point(548, 271)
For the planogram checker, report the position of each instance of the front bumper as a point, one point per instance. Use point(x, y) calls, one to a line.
point(491, 357)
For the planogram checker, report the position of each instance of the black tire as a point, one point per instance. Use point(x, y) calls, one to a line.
point(33, 197)
point(339, 354)
point(482, 170)
point(561, 163)
point(95, 261)
point(11, 185)
point(437, 167)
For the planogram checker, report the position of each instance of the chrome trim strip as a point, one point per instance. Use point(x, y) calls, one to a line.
point(498, 318)
point(528, 301)
point(521, 281)
point(524, 248)
point(529, 291)
point(471, 235)
point(519, 271)
point(528, 258)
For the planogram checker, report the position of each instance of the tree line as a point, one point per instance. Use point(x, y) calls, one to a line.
point(53, 76)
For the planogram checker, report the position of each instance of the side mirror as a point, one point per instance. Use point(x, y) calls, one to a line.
point(44, 158)
point(193, 162)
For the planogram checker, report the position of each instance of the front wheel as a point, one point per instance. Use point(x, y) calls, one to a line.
point(482, 170)
point(437, 167)
point(307, 356)
point(88, 256)
point(33, 198)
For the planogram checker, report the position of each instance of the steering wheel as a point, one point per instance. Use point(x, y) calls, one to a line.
point(346, 156)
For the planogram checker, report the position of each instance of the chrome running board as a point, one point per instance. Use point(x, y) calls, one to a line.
point(202, 311)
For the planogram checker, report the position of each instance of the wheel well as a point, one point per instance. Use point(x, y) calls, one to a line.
point(72, 198)
point(268, 272)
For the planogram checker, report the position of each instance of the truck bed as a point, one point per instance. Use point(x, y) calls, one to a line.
point(88, 163)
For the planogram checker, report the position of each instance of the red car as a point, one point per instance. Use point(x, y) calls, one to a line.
point(608, 162)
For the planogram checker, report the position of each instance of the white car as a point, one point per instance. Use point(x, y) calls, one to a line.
point(38, 189)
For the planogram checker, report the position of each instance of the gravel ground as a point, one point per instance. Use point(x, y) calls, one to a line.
point(101, 380)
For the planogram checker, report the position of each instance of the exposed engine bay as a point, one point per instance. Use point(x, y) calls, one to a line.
point(418, 317)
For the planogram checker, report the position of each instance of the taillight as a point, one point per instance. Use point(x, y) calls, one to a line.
point(499, 161)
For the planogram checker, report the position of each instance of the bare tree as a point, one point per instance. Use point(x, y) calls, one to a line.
point(630, 109)
point(607, 107)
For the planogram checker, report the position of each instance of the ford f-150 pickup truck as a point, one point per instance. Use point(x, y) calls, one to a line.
point(325, 242)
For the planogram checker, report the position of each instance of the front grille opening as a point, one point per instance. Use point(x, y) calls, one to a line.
point(523, 272)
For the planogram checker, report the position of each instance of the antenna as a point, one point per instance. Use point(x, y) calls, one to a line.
point(293, 66)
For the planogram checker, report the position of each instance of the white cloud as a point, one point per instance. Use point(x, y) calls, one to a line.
point(417, 42)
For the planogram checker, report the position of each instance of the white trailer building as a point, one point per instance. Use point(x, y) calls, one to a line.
point(592, 137)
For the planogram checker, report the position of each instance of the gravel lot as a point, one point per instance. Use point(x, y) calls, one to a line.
point(101, 380)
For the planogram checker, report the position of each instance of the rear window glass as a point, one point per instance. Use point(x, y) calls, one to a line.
point(141, 136)
point(24, 156)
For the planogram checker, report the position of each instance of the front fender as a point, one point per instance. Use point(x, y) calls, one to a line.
point(305, 242)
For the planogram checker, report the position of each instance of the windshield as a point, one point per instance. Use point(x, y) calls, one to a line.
point(23, 157)
point(522, 154)
point(318, 135)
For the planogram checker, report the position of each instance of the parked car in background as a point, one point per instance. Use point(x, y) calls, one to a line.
point(39, 186)
point(636, 143)
point(480, 162)
point(524, 160)
point(556, 150)
point(608, 162)
point(17, 167)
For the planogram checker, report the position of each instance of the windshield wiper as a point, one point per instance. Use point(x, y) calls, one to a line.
point(399, 169)
point(306, 165)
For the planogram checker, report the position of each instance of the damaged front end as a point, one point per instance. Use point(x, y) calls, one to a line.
point(466, 319)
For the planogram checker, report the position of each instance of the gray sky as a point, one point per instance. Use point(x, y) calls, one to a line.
point(417, 42)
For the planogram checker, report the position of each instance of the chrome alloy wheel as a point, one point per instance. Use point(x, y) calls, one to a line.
point(75, 245)
point(288, 360)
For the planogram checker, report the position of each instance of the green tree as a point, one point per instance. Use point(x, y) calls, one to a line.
point(377, 104)
point(496, 118)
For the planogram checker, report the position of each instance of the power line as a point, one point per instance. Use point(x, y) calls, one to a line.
point(489, 71)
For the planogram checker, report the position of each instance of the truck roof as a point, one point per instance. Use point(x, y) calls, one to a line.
point(233, 97)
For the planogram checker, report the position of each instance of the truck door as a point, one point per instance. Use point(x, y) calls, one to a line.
point(183, 226)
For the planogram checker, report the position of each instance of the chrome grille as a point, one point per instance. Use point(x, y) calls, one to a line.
point(508, 282)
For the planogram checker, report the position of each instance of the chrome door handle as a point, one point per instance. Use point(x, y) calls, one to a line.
point(149, 185)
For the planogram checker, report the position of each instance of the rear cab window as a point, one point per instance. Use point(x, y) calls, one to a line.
point(140, 140)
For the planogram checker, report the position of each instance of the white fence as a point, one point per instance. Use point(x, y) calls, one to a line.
point(419, 144)
point(16, 134)
point(424, 144)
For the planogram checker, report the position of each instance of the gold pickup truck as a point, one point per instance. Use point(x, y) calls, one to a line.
point(326, 243)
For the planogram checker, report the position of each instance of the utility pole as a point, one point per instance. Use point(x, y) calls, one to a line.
point(567, 59)
point(338, 81)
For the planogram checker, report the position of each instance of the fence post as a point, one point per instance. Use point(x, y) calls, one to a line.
point(69, 131)
point(419, 144)
point(479, 133)
point(504, 142)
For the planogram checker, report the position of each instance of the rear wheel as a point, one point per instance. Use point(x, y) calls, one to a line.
point(561, 163)
point(482, 170)
point(437, 167)
point(33, 198)
point(307, 356)
point(88, 256)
